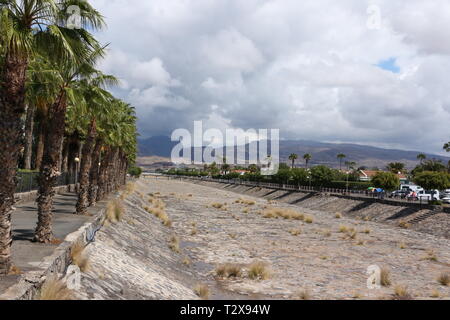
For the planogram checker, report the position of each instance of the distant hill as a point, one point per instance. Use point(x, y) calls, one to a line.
point(322, 153)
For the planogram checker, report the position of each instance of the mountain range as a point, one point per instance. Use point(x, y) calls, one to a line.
point(322, 153)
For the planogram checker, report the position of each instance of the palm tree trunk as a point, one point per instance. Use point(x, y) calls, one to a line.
point(85, 168)
point(49, 172)
point(40, 146)
point(94, 172)
point(102, 179)
point(12, 106)
point(29, 125)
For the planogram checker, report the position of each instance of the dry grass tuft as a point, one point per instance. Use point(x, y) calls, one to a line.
point(343, 229)
point(385, 277)
point(402, 245)
point(258, 270)
point(229, 270)
point(114, 211)
point(366, 231)
point(303, 294)
point(14, 271)
point(295, 232)
point(130, 187)
point(431, 256)
point(404, 225)
point(245, 202)
point(288, 214)
point(338, 215)
point(202, 291)
point(54, 289)
point(401, 293)
point(309, 219)
point(174, 244)
point(444, 279)
point(232, 235)
point(217, 205)
point(194, 231)
point(79, 257)
point(435, 294)
point(186, 261)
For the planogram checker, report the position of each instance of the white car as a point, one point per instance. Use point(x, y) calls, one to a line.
point(446, 199)
point(429, 195)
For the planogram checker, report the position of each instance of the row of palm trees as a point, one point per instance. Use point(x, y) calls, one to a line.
point(48, 81)
point(307, 157)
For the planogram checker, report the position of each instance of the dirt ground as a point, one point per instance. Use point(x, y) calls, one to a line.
point(312, 257)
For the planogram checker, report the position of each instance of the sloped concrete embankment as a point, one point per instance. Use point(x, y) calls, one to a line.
point(131, 259)
point(423, 219)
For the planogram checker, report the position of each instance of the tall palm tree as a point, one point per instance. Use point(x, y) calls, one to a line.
point(99, 105)
point(341, 157)
point(447, 147)
point(307, 157)
point(69, 74)
point(22, 27)
point(293, 157)
point(421, 157)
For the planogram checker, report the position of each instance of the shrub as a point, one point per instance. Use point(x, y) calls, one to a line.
point(174, 244)
point(444, 279)
point(401, 293)
point(229, 271)
point(54, 289)
point(114, 211)
point(202, 291)
point(258, 271)
point(385, 279)
point(79, 257)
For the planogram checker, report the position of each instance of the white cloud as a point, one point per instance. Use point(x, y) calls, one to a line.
point(306, 67)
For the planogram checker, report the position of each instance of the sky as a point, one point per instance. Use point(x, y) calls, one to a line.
point(349, 71)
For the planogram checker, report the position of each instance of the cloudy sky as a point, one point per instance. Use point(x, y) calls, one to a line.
point(369, 72)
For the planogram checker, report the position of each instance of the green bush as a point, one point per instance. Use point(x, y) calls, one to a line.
point(135, 171)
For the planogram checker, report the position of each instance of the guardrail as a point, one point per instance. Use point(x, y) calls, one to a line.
point(28, 181)
point(294, 188)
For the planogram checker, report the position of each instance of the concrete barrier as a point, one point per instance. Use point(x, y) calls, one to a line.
point(32, 195)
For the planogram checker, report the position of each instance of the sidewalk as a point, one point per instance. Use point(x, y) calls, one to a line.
point(28, 256)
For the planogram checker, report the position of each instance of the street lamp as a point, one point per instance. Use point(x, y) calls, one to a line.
point(77, 162)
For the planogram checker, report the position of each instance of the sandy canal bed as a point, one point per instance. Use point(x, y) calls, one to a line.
point(306, 257)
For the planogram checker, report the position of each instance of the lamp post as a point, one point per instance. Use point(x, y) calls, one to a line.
point(77, 162)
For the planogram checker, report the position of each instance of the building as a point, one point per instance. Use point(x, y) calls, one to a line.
point(367, 175)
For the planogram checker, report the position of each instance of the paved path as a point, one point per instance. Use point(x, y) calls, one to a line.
point(26, 255)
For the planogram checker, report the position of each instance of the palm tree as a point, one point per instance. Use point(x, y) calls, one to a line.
point(447, 147)
point(98, 104)
point(69, 73)
point(341, 157)
point(396, 167)
point(293, 157)
point(25, 26)
point(307, 157)
point(421, 157)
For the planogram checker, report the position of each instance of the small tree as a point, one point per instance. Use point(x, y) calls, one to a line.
point(430, 180)
point(386, 180)
point(300, 176)
point(321, 175)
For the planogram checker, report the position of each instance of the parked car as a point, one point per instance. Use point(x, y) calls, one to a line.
point(411, 187)
point(446, 199)
point(429, 195)
point(402, 194)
